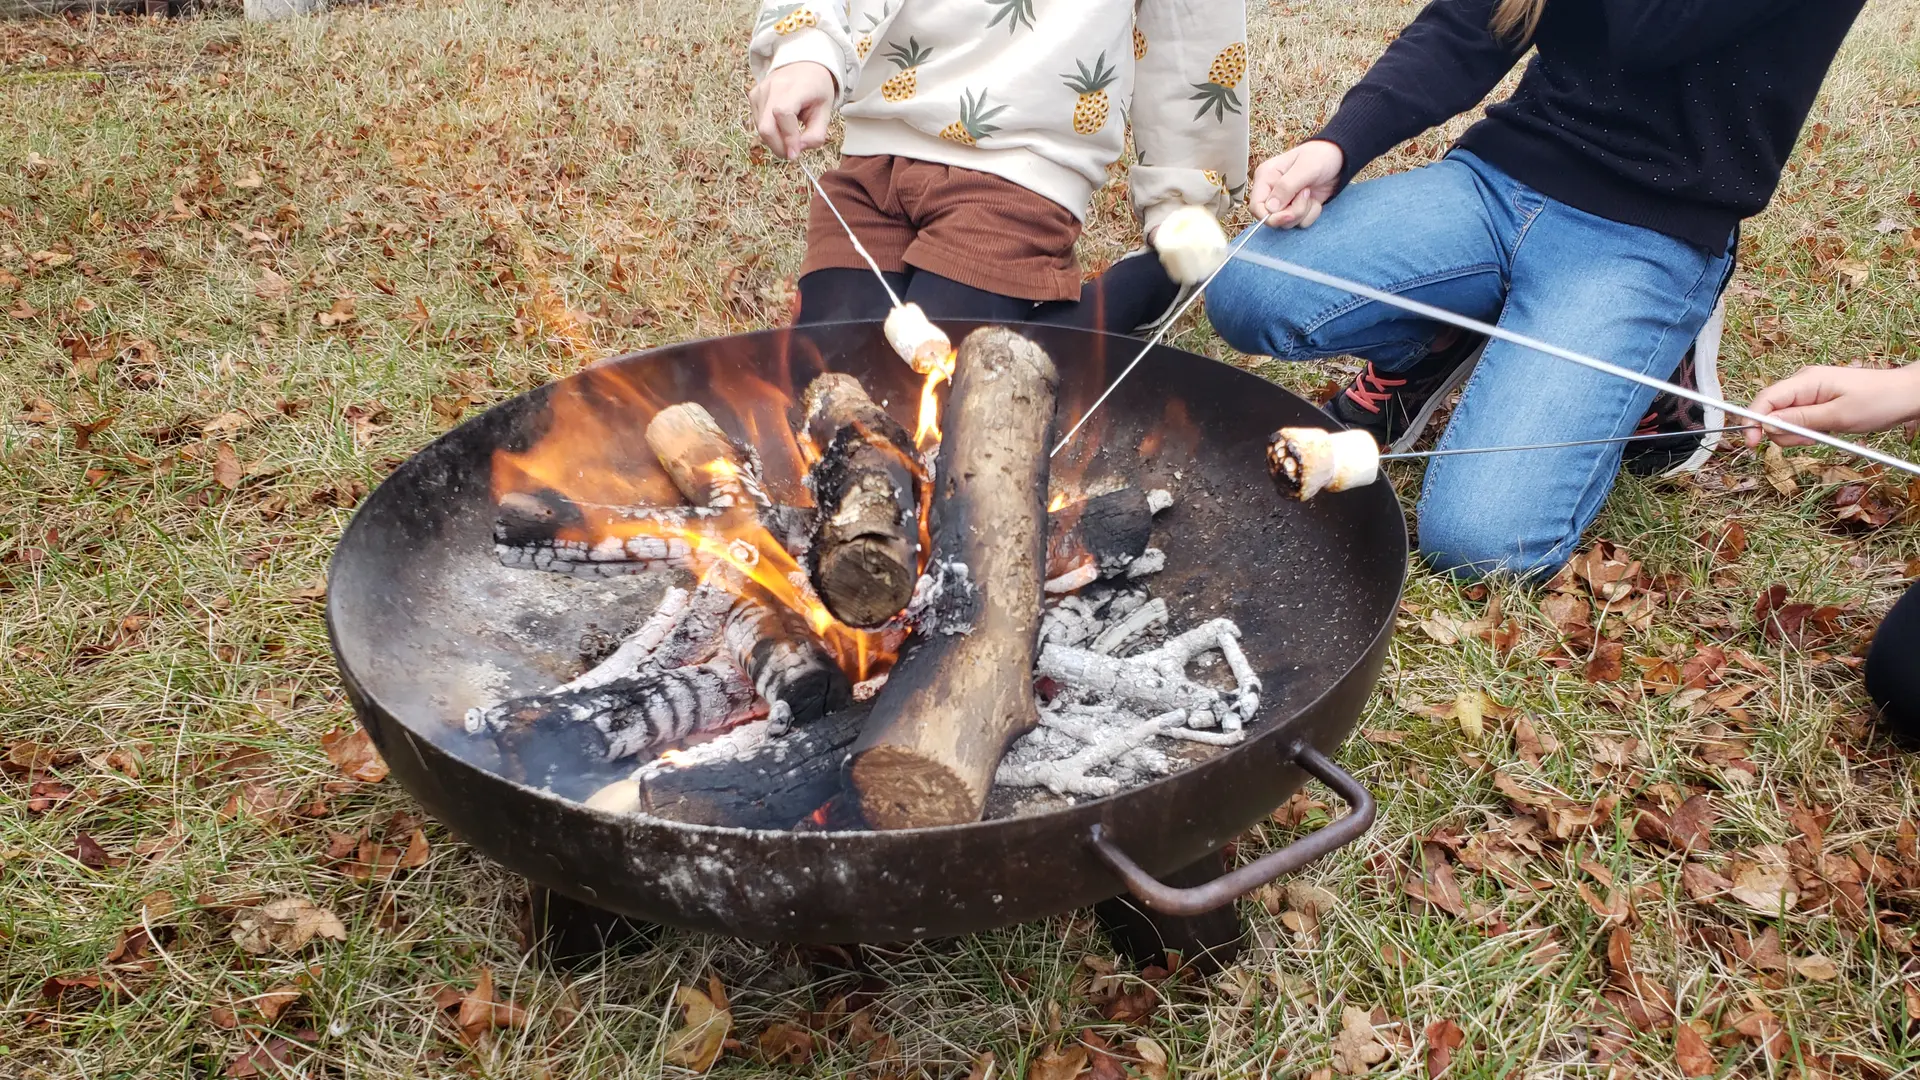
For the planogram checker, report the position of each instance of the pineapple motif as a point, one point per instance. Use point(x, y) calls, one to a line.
point(1090, 112)
point(906, 82)
point(1218, 93)
point(1220, 182)
point(1139, 44)
point(972, 125)
point(789, 18)
point(1015, 13)
point(863, 44)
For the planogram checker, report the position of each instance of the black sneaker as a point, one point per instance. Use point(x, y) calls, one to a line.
point(1691, 429)
point(1397, 406)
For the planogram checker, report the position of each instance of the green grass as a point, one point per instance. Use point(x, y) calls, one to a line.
point(469, 174)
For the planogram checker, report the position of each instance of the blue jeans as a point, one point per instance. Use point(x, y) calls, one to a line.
point(1462, 235)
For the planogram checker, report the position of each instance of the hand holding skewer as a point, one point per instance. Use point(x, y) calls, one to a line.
point(1853, 400)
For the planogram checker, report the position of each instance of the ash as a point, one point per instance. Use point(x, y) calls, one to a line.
point(1120, 703)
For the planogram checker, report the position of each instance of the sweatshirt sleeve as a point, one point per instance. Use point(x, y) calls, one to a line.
point(1653, 34)
point(788, 33)
point(1440, 66)
point(1189, 110)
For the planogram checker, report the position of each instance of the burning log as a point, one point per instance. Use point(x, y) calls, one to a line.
point(868, 483)
point(954, 701)
point(703, 461)
point(748, 778)
point(798, 680)
point(531, 531)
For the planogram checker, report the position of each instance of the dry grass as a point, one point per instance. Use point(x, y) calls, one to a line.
point(503, 191)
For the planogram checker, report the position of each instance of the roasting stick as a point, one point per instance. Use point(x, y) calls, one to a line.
point(1155, 340)
point(1414, 455)
point(1478, 327)
point(857, 245)
point(924, 346)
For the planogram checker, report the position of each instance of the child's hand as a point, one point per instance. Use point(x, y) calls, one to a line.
point(791, 107)
point(1289, 190)
point(1837, 399)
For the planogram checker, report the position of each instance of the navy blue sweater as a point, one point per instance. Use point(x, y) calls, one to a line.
point(1675, 115)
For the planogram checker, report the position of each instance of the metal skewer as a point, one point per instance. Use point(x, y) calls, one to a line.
point(1165, 325)
point(1412, 455)
point(857, 245)
point(1537, 345)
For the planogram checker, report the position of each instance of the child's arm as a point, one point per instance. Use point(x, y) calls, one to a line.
point(1189, 108)
point(1846, 400)
point(802, 60)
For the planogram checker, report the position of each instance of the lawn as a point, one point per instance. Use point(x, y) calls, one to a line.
point(1632, 825)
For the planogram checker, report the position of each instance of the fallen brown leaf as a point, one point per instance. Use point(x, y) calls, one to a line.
point(480, 1011)
point(267, 1058)
point(983, 1067)
point(1357, 1047)
point(1764, 882)
point(698, 1043)
point(1153, 1058)
point(1443, 1038)
point(285, 925)
point(353, 753)
point(92, 855)
point(784, 1043)
point(1645, 1003)
point(1780, 471)
point(1605, 663)
point(1727, 543)
point(1816, 967)
point(1691, 1052)
point(1058, 1063)
point(274, 1002)
point(1437, 886)
point(1766, 1030)
point(341, 313)
point(226, 467)
point(271, 286)
point(1704, 884)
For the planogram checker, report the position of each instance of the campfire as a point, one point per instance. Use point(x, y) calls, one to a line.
point(920, 631)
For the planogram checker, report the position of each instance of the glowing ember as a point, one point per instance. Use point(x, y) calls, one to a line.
point(1059, 500)
point(675, 758)
point(926, 434)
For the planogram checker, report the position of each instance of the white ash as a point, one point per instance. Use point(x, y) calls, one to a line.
point(1159, 500)
point(1116, 720)
point(944, 601)
point(1151, 561)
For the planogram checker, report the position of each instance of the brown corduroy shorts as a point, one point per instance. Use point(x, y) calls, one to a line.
point(973, 227)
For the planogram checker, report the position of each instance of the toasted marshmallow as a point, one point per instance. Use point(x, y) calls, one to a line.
point(1191, 244)
point(921, 344)
point(1307, 461)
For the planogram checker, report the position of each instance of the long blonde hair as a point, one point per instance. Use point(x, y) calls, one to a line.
point(1516, 20)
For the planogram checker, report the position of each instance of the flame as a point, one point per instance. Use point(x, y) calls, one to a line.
point(926, 434)
point(1059, 500)
point(675, 757)
point(819, 816)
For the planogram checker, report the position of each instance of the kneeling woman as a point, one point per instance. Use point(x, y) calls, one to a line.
point(1597, 209)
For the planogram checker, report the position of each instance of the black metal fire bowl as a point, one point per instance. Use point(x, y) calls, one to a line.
point(425, 623)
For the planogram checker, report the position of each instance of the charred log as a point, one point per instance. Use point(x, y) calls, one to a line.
point(545, 530)
point(868, 483)
point(744, 779)
point(782, 660)
point(624, 716)
point(1109, 531)
point(955, 701)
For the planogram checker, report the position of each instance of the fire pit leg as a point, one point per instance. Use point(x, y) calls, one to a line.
point(570, 934)
point(1207, 943)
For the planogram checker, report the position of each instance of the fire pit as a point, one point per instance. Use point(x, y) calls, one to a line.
point(429, 624)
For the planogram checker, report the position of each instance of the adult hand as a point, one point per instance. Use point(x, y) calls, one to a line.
point(1837, 399)
point(1289, 190)
point(791, 107)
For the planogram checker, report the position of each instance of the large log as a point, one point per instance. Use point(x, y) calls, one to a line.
point(545, 530)
point(955, 701)
point(867, 483)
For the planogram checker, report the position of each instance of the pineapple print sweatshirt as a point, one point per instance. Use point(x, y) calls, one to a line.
point(1039, 92)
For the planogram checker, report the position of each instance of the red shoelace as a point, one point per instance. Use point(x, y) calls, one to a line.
point(1371, 390)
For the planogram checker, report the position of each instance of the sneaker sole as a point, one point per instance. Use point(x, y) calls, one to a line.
point(1706, 379)
point(1418, 425)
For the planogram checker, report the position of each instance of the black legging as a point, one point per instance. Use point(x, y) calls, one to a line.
point(1118, 301)
point(1893, 669)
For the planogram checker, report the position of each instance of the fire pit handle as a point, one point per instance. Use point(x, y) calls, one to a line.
point(1237, 883)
